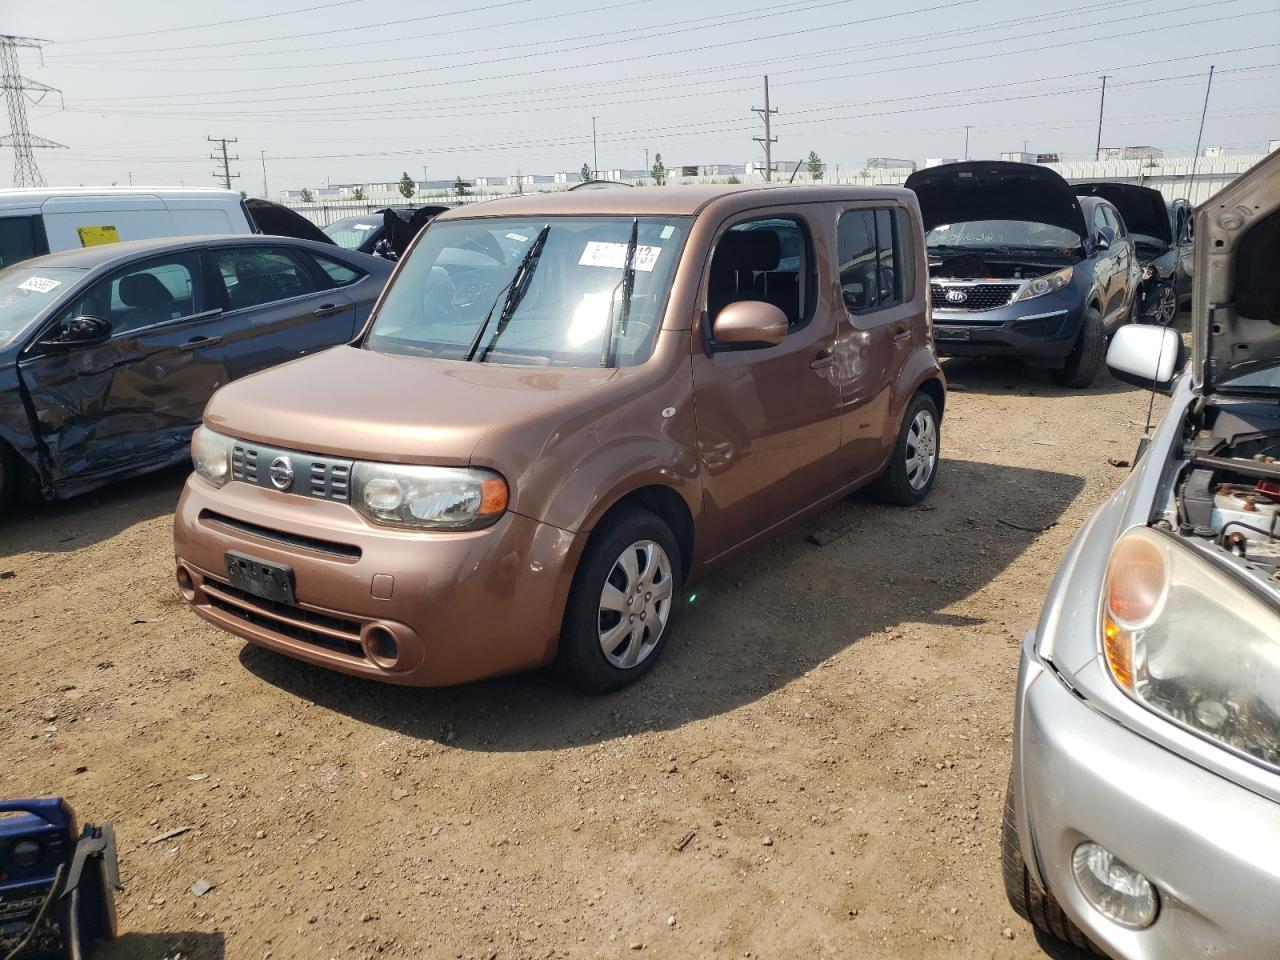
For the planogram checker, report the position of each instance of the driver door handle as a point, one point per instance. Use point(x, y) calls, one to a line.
point(824, 359)
point(196, 342)
point(901, 335)
point(325, 309)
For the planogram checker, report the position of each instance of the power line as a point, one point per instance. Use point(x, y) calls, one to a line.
point(17, 90)
point(216, 23)
point(226, 176)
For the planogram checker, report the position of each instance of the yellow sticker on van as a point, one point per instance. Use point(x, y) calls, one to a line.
point(92, 236)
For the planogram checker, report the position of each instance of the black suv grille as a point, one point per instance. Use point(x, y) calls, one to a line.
point(977, 296)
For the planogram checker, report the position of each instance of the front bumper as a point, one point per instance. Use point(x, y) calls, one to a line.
point(420, 609)
point(1211, 847)
point(1040, 329)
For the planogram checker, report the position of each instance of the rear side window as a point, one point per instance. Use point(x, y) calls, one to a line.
point(875, 264)
point(253, 276)
point(341, 274)
point(18, 240)
point(767, 260)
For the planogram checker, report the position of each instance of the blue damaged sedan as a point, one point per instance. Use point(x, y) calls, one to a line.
point(108, 354)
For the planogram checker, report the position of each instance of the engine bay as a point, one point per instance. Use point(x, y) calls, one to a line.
point(1229, 492)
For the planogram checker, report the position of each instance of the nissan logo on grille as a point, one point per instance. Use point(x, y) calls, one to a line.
point(281, 473)
point(954, 296)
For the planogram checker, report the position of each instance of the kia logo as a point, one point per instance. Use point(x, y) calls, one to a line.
point(957, 296)
point(281, 473)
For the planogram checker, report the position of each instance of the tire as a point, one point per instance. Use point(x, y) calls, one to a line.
point(1086, 356)
point(640, 594)
point(902, 483)
point(1029, 900)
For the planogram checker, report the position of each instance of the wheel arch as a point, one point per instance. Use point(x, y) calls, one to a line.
point(665, 503)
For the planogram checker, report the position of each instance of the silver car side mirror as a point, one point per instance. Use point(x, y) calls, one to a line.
point(1146, 356)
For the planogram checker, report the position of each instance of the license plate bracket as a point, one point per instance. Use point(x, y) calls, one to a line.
point(261, 578)
point(950, 333)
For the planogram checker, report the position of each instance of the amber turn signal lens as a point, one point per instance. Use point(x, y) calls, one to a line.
point(1118, 646)
point(493, 496)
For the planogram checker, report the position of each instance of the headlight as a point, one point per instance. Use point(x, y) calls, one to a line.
point(437, 498)
point(1049, 283)
point(1187, 641)
point(211, 455)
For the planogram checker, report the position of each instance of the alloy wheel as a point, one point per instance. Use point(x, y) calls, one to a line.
point(922, 450)
point(635, 604)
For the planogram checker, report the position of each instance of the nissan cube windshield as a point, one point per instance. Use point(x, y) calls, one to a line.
point(565, 291)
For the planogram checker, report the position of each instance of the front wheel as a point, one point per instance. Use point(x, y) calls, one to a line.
point(914, 463)
point(623, 600)
point(1086, 356)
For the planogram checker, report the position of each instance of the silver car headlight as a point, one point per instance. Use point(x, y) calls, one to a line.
point(211, 455)
point(433, 498)
point(1187, 641)
point(1049, 283)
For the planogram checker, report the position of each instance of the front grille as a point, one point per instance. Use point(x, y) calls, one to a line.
point(325, 478)
point(343, 551)
point(978, 296)
point(338, 634)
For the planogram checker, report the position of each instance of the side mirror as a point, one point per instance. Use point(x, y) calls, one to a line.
point(1146, 356)
point(81, 332)
point(750, 323)
point(1104, 239)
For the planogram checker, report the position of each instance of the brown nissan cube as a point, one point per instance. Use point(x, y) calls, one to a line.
point(563, 409)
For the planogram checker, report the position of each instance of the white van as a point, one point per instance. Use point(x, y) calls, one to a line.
point(40, 221)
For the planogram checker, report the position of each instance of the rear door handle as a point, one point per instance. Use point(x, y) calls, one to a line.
point(901, 335)
point(325, 309)
point(196, 343)
point(824, 359)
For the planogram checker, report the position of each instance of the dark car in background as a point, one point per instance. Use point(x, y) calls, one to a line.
point(108, 354)
point(1020, 266)
point(397, 226)
point(1161, 232)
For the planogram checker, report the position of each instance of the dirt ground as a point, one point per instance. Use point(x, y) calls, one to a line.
point(815, 769)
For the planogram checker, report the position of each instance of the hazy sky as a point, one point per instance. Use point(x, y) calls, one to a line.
point(356, 90)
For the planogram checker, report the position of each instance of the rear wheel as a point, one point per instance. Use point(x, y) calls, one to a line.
point(1086, 356)
point(914, 463)
point(1029, 900)
point(623, 600)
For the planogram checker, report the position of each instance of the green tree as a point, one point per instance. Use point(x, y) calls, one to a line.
point(659, 171)
point(306, 196)
point(733, 178)
point(243, 195)
point(460, 187)
point(585, 173)
point(357, 193)
point(816, 166)
point(407, 186)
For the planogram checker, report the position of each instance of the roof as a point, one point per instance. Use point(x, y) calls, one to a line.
point(34, 192)
point(89, 258)
point(666, 201)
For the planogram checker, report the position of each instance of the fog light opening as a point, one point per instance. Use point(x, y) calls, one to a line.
point(186, 585)
point(1113, 888)
point(381, 645)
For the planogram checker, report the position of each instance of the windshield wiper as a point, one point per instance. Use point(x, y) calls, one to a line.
point(516, 289)
point(628, 284)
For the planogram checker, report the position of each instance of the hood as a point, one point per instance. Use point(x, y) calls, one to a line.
point(401, 226)
point(279, 221)
point(348, 402)
point(1144, 210)
point(995, 190)
point(1236, 299)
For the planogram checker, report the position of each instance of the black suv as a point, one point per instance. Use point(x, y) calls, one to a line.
point(1021, 266)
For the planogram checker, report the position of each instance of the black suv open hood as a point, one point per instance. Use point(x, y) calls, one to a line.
point(995, 190)
point(1235, 312)
point(1144, 210)
point(279, 221)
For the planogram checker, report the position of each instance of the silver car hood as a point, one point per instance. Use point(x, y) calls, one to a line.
point(1235, 328)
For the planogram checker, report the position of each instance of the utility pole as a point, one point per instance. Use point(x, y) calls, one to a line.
point(646, 161)
point(767, 140)
point(226, 176)
point(263, 155)
point(1102, 102)
point(1195, 161)
point(17, 91)
point(967, 128)
point(595, 157)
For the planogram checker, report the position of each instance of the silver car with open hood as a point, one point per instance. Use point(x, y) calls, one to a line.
point(1143, 816)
